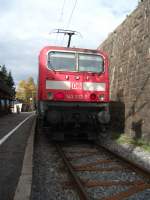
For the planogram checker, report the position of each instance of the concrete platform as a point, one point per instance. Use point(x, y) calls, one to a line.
point(14, 133)
point(24, 185)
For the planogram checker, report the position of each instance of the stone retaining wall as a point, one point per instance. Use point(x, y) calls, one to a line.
point(128, 48)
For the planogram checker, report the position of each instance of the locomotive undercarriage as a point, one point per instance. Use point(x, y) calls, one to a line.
point(84, 119)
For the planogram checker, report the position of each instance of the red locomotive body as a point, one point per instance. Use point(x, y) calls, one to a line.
point(73, 87)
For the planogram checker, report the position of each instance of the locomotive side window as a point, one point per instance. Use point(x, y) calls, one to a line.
point(62, 61)
point(92, 63)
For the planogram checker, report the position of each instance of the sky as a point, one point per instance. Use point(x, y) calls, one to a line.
point(27, 26)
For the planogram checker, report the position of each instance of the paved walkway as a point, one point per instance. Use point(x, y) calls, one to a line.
point(10, 121)
point(12, 151)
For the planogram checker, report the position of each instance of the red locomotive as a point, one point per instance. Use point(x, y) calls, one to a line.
point(73, 89)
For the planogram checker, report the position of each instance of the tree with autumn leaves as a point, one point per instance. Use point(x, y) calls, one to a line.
point(26, 91)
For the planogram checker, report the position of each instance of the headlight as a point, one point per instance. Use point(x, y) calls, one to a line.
point(50, 95)
point(101, 97)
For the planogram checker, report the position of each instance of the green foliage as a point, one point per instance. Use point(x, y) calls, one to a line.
point(125, 139)
point(4, 72)
point(7, 79)
point(141, 143)
point(10, 80)
point(26, 91)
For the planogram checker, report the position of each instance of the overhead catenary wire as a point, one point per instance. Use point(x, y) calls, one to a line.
point(62, 11)
point(60, 18)
point(70, 18)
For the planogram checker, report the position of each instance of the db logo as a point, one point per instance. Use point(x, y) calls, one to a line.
point(76, 85)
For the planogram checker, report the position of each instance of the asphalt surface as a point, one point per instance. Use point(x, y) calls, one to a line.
point(10, 121)
point(12, 152)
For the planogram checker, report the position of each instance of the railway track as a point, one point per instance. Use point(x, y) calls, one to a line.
point(100, 175)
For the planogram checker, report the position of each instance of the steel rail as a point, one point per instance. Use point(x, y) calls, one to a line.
point(82, 193)
point(135, 186)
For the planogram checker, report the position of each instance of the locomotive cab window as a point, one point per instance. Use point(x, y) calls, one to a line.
point(92, 63)
point(63, 61)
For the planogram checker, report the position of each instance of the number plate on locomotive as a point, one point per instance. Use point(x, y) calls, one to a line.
point(76, 85)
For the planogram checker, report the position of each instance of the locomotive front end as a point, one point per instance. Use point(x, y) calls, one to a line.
point(73, 88)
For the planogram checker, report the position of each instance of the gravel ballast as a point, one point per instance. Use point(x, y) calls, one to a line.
point(51, 177)
point(128, 151)
point(49, 172)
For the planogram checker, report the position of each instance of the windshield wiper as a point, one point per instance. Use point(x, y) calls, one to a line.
point(50, 66)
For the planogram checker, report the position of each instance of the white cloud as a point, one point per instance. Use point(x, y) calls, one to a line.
point(25, 27)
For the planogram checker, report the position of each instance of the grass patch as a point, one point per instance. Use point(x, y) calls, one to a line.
point(125, 139)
